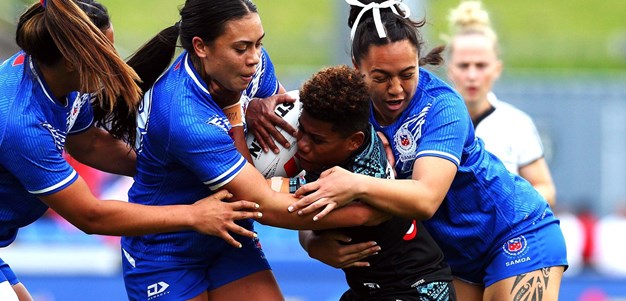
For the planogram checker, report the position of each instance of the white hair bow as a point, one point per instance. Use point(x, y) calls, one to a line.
point(375, 7)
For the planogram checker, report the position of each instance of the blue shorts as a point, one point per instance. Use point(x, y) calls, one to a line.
point(165, 281)
point(6, 274)
point(541, 245)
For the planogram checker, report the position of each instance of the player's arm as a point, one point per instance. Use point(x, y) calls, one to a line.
point(111, 217)
point(415, 198)
point(95, 147)
point(234, 113)
point(333, 248)
point(538, 174)
point(263, 122)
point(274, 206)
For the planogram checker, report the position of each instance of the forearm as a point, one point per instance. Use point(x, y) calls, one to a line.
point(405, 198)
point(275, 214)
point(239, 138)
point(538, 174)
point(112, 217)
point(98, 149)
point(548, 192)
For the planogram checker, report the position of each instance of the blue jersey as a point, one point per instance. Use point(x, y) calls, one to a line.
point(185, 153)
point(33, 128)
point(485, 203)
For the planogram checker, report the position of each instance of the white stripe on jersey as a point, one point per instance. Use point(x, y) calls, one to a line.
point(230, 170)
point(57, 185)
point(43, 87)
point(192, 75)
point(447, 155)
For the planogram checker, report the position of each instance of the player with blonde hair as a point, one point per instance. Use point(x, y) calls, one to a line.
point(474, 65)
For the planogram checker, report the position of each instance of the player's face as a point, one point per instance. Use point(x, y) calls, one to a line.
point(391, 73)
point(232, 58)
point(319, 147)
point(473, 67)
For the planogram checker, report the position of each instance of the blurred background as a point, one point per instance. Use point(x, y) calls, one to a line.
point(565, 65)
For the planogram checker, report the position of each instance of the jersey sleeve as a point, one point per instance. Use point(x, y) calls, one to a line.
point(205, 148)
point(32, 157)
point(445, 129)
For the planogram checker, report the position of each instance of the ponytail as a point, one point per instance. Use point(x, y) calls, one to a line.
point(433, 57)
point(151, 60)
point(53, 30)
point(98, 64)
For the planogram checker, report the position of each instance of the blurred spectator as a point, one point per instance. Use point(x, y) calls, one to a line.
point(574, 233)
point(93, 177)
point(608, 257)
point(588, 220)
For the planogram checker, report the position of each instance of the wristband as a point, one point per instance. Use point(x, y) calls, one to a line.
point(234, 113)
point(295, 183)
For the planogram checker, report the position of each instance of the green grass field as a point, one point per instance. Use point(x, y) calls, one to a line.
point(557, 34)
point(576, 34)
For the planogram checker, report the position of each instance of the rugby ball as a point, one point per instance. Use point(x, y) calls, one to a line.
point(284, 164)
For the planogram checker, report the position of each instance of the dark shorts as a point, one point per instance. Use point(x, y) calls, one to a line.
point(432, 291)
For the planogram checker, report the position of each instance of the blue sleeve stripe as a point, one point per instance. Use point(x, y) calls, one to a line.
point(227, 176)
point(435, 153)
point(53, 187)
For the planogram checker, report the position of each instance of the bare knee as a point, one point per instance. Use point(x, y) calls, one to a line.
point(466, 291)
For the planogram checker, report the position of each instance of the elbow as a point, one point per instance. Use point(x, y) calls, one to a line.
point(90, 223)
point(424, 210)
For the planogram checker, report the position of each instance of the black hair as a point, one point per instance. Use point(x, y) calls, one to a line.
point(97, 13)
point(338, 95)
point(397, 28)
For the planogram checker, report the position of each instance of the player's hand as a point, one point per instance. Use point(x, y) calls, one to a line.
point(332, 190)
point(215, 217)
point(263, 122)
point(333, 248)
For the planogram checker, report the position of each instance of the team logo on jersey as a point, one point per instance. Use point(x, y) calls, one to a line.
point(406, 140)
point(412, 232)
point(157, 290)
point(516, 246)
point(57, 135)
point(405, 143)
point(220, 122)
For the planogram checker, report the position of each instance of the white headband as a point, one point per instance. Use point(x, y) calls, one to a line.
point(375, 7)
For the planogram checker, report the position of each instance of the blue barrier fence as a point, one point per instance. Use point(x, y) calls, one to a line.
point(300, 278)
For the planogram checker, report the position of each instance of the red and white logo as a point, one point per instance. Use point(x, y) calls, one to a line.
point(412, 232)
point(515, 246)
